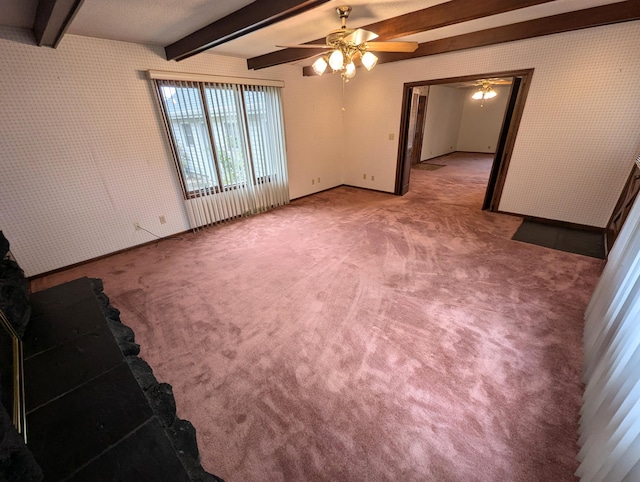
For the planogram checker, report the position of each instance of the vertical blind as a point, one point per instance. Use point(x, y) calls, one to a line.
point(610, 416)
point(228, 146)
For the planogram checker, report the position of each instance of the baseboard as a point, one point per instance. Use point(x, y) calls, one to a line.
point(317, 192)
point(369, 189)
point(97, 258)
point(437, 157)
point(342, 185)
point(455, 152)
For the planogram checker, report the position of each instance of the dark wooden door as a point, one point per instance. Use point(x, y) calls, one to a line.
point(623, 206)
point(414, 138)
point(419, 130)
point(490, 201)
point(412, 127)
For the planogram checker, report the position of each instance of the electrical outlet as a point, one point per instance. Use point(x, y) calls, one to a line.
point(163, 220)
point(136, 225)
point(364, 176)
point(313, 181)
point(391, 136)
point(373, 178)
point(318, 180)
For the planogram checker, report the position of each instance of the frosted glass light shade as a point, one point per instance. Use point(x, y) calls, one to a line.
point(350, 70)
point(490, 94)
point(477, 95)
point(319, 66)
point(369, 60)
point(336, 60)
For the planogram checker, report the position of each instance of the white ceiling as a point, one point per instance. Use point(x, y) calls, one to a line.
point(161, 22)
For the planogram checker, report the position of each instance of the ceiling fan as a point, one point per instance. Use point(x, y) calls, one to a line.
point(485, 88)
point(346, 45)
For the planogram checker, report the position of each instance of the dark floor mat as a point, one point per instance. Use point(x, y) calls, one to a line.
point(587, 243)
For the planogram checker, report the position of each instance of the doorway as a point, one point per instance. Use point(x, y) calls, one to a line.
point(504, 147)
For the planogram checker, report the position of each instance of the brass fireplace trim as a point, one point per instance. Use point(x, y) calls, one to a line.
point(18, 409)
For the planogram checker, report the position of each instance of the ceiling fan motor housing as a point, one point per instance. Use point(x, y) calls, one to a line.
point(337, 36)
point(348, 44)
point(343, 12)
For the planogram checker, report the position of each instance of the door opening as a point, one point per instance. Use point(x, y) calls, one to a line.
point(506, 139)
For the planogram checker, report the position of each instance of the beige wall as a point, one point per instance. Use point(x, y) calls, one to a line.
point(574, 150)
point(83, 153)
point(442, 121)
point(456, 122)
point(481, 121)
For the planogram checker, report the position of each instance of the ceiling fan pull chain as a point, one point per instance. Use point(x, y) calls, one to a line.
point(343, 84)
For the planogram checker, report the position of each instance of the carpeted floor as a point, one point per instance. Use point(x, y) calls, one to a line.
point(358, 336)
point(423, 166)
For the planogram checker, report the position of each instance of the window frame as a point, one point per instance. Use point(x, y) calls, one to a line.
point(242, 117)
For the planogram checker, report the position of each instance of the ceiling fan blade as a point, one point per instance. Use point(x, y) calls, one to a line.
point(305, 61)
point(392, 46)
point(304, 46)
point(359, 36)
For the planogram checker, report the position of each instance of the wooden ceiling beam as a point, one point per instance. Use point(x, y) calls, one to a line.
point(53, 17)
point(448, 13)
point(250, 18)
point(565, 22)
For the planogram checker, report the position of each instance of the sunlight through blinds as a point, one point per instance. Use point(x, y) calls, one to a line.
point(610, 416)
point(228, 145)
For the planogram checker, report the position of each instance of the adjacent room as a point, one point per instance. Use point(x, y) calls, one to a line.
point(302, 240)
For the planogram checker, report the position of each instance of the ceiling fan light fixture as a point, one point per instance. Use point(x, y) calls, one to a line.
point(485, 91)
point(345, 44)
point(350, 70)
point(320, 65)
point(369, 60)
point(336, 60)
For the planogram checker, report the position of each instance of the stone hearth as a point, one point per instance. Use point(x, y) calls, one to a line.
point(94, 409)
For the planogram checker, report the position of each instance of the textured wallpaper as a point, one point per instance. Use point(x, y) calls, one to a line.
point(579, 133)
point(442, 123)
point(481, 122)
point(83, 153)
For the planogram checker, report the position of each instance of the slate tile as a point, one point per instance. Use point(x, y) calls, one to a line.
point(579, 241)
point(587, 243)
point(536, 233)
point(54, 372)
point(61, 314)
point(144, 455)
point(93, 417)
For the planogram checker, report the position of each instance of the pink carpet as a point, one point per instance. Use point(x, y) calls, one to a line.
point(355, 336)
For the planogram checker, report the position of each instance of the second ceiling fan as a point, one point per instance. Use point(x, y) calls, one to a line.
point(348, 45)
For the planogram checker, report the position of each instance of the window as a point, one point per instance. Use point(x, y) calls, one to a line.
point(221, 133)
point(226, 137)
point(188, 134)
